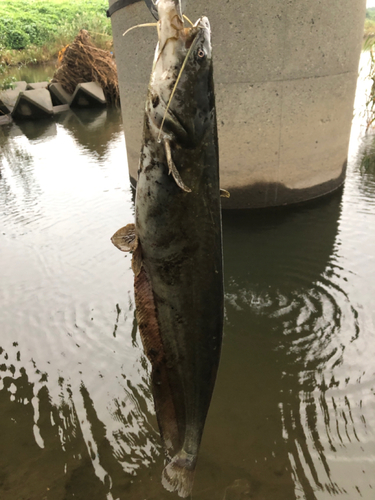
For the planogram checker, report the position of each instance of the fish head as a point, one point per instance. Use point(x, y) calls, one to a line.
point(181, 95)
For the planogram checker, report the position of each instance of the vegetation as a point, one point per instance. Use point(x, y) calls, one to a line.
point(6, 82)
point(369, 31)
point(368, 45)
point(370, 102)
point(370, 13)
point(368, 161)
point(36, 30)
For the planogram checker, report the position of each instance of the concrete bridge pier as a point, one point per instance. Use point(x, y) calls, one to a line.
point(285, 77)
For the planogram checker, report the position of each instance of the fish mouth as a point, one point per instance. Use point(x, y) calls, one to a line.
point(171, 24)
point(203, 23)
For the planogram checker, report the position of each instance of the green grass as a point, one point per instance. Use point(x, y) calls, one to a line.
point(6, 82)
point(368, 162)
point(35, 30)
point(369, 30)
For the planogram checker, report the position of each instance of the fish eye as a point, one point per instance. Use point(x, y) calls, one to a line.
point(201, 54)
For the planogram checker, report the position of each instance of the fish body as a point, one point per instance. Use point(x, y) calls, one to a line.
point(177, 241)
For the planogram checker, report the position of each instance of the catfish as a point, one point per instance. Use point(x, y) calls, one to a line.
point(176, 240)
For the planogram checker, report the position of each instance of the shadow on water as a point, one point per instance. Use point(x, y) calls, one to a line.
point(274, 308)
point(288, 323)
point(52, 458)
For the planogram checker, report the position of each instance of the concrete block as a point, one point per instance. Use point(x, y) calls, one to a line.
point(8, 99)
point(37, 85)
point(60, 109)
point(5, 119)
point(59, 95)
point(20, 86)
point(241, 108)
point(315, 43)
point(133, 117)
point(315, 129)
point(3, 108)
point(285, 76)
point(247, 38)
point(33, 104)
point(88, 95)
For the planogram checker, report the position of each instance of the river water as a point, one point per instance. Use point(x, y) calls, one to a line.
point(293, 413)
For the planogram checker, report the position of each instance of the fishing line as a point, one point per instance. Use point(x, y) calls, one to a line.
point(175, 86)
point(139, 26)
point(187, 19)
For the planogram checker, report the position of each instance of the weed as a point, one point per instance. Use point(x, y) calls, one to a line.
point(36, 30)
point(6, 82)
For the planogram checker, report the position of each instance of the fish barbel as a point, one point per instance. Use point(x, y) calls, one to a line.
point(177, 242)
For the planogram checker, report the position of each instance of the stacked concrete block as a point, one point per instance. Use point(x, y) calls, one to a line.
point(37, 85)
point(43, 100)
point(88, 95)
point(59, 95)
point(33, 104)
point(9, 97)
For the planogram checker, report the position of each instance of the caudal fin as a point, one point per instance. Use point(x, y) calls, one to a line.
point(178, 475)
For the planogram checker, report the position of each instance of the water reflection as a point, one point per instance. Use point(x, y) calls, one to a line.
point(367, 170)
point(290, 323)
point(93, 129)
point(45, 130)
point(19, 188)
point(33, 73)
point(71, 371)
point(65, 438)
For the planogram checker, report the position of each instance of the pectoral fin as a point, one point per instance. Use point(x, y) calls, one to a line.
point(126, 239)
point(224, 193)
point(172, 168)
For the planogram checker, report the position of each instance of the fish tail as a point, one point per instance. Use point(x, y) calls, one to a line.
point(178, 475)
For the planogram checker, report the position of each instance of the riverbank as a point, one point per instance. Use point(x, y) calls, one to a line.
point(33, 31)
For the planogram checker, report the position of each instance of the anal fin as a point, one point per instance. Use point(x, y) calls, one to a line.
point(153, 347)
point(137, 260)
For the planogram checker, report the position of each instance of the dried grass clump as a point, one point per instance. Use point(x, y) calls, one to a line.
point(83, 62)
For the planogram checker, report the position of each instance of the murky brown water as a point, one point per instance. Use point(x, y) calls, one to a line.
point(33, 73)
point(293, 413)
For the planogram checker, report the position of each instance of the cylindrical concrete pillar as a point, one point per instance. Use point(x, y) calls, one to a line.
point(285, 76)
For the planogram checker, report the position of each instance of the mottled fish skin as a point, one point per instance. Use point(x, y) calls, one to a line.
point(178, 270)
